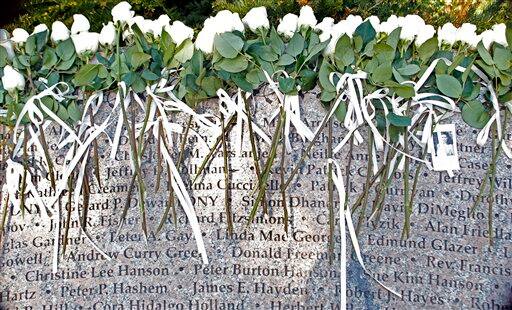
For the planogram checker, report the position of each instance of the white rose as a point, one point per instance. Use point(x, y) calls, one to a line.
point(80, 24)
point(288, 25)
point(59, 32)
point(325, 28)
point(447, 34)
point(375, 22)
point(256, 18)
point(204, 40)
point(40, 28)
point(164, 20)
point(427, 32)
point(467, 34)
point(19, 35)
point(306, 17)
point(237, 23)
point(12, 79)
point(108, 34)
point(122, 12)
point(487, 38)
point(389, 25)
point(180, 32)
point(411, 26)
point(352, 22)
point(226, 21)
point(500, 34)
point(154, 27)
point(85, 42)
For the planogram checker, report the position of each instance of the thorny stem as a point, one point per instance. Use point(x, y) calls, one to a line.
point(227, 199)
point(282, 189)
point(268, 165)
point(95, 154)
point(86, 194)
point(330, 193)
point(367, 185)
point(47, 156)
point(407, 207)
point(68, 216)
point(25, 169)
point(213, 150)
point(170, 204)
point(347, 172)
point(254, 152)
point(308, 149)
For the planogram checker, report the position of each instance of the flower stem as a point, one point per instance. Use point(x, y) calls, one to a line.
point(282, 189)
point(213, 150)
point(308, 149)
point(268, 165)
point(330, 192)
point(254, 151)
point(227, 198)
point(25, 169)
point(362, 213)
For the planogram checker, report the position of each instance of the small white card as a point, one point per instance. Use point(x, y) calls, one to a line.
point(442, 146)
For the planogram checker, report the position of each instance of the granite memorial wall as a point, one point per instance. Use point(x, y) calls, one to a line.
point(446, 263)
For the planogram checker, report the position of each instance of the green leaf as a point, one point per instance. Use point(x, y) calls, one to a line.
point(184, 52)
point(448, 85)
point(62, 113)
point(341, 111)
point(428, 48)
point(344, 51)
point(484, 54)
point(382, 73)
point(285, 60)
point(384, 52)
point(307, 79)
point(31, 45)
point(475, 114)
point(323, 76)
point(404, 90)
point(365, 31)
point(409, 70)
point(74, 112)
point(86, 74)
point(398, 120)
point(241, 82)
point(253, 76)
point(266, 53)
point(139, 58)
point(65, 49)
point(49, 58)
point(149, 76)
point(234, 65)
point(196, 62)
point(508, 35)
point(66, 64)
point(211, 84)
point(3, 56)
point(327, 96)
point(276, 42)
point(502, 58)
point(296, 45)
point(228, 44)
point(287, 85)
point(394, 38)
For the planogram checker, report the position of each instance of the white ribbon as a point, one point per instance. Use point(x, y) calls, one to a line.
point(291, 106)
point(229, 107)
point(346, 222)
point(357, 112)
